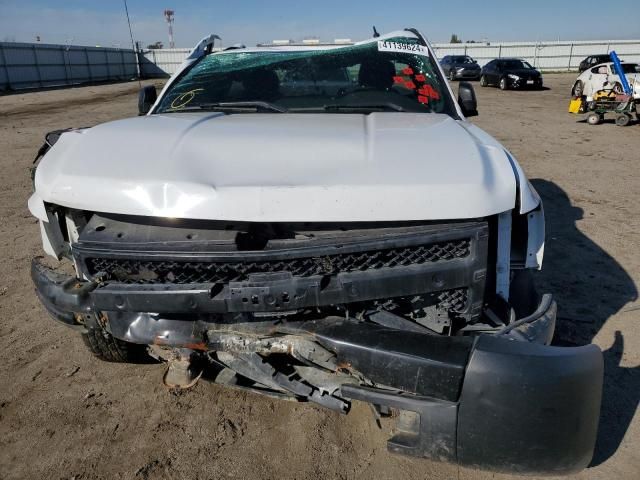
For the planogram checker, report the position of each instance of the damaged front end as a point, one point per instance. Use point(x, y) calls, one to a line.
point(413, 317)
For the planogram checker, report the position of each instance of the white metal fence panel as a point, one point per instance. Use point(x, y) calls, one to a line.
point(34, 65)
point(549, 56)
point(163, 62)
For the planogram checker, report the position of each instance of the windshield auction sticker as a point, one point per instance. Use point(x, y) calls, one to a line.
point(402, 47)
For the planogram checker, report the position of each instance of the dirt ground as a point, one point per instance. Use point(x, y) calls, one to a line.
point(64, 414)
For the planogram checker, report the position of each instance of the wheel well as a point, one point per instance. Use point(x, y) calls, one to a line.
point(575, 84)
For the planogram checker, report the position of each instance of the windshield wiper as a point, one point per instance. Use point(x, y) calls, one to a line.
point(243, 106)
point(255, 106)
point(360, 106)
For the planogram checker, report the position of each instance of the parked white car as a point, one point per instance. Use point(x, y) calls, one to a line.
point(604, 77)
point(322, 224)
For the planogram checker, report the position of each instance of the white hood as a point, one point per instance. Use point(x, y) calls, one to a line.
point(281, 167)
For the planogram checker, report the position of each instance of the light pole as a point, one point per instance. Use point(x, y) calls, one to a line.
point(169, 16)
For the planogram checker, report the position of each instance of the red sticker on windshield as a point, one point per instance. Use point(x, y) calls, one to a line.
point(423, 99)
point(420, 78)
point(398, 79)
point(428, 91)
point(407, 71)
point(410, 85)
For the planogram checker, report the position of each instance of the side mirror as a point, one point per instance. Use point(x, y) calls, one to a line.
point(146, 98)
point(467, 99)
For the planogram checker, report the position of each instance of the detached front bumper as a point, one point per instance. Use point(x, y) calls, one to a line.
point(523, 408)
point(504, 402)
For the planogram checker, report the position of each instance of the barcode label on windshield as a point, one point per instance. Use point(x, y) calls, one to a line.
point(390, 46)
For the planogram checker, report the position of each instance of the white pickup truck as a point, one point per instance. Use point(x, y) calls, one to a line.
point(322, 223)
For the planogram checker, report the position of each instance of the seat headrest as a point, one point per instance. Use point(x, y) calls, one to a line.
point(377, 73)
point(262, 83)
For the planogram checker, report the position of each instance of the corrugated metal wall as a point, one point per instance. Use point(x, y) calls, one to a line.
point(34, 65)
point(549, 56)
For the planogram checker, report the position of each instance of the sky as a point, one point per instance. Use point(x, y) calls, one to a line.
point(103, 22)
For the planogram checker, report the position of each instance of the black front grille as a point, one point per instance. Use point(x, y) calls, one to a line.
point(185, 272)
point(454, 300)
point(415, 307)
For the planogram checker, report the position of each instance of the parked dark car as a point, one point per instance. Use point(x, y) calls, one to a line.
point(592, 61)
point(509, 73)
point(460, 66)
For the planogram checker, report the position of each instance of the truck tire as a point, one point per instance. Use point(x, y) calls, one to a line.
point(110, 349)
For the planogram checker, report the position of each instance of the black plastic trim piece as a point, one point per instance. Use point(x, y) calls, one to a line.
point(278, 294)
point(419, 363)
point(524, 408)
point(529, 408)
point(62, 295)
point(125, 237)
point(433, 435)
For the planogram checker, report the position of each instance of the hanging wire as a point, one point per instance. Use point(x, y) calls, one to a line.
point(133, 44)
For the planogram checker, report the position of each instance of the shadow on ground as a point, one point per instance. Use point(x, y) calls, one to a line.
point(591, 287)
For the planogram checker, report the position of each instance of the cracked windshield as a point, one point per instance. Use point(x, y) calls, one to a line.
point(392, 74)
